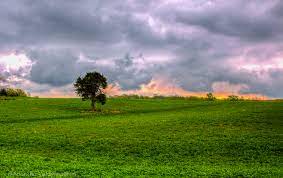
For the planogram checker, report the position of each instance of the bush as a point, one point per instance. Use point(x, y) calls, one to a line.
point(233, 98)
point(195, 98)
point(21, 92)
point(13, 92)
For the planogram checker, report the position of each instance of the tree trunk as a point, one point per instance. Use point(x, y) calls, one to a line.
point(93, 104)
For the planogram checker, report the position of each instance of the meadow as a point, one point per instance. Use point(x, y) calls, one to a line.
point(140, 137)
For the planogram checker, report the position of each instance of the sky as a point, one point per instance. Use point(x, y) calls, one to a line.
point(168, 47)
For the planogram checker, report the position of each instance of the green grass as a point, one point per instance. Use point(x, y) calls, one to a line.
point(140, 137)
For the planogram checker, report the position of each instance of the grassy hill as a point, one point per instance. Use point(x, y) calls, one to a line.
point(148, 137)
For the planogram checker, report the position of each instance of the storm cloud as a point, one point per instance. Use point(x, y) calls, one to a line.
point(196, 44)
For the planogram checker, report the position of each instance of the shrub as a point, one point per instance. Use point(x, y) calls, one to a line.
point(21, 92)
point(11, 92)
point(195, 98)
point(233, 98)
point(156, 96)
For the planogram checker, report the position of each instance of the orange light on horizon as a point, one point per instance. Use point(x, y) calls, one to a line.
point(163, 88)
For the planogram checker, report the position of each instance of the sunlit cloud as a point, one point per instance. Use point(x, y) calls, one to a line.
point(13, 63)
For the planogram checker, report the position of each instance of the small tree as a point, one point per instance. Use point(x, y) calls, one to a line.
point(233, 98)
point(210, 97)
point(90, 87)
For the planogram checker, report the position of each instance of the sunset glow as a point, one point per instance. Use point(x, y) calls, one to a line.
point(163, 87)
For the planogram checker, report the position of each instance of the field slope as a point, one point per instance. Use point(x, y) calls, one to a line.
point(142, 137)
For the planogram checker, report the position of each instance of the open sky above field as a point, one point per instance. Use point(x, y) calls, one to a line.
point(184, 47)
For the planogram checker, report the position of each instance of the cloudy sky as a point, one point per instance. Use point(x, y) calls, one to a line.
point(192, 46)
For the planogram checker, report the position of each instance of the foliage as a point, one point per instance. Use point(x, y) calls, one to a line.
point(21, 92)
point(11, 92)
point(91, 87)
point(195, 98)
point(3, 92)
point(133, 96)
point(210, 97)
point(233, 98)
point(141, 138)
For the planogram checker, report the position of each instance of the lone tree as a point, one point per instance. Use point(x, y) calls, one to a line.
point(210, 97)
point(90, 87)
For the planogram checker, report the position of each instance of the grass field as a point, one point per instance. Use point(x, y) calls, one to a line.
point(140, 137)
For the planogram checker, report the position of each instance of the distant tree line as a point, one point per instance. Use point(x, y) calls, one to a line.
point(13, 92)
point(209, 97)
point(156, 96)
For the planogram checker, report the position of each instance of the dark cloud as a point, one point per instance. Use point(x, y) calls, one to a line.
point(195, 43)
point(248, 20)
point(277, 9)
point(59, 68)
point(53, 68)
